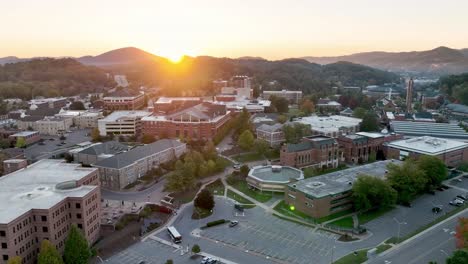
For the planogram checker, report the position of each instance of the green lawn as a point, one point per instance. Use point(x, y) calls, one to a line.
point(253, 156)
point(335, 215)
point(353, 259)
point(242, 186)
point(346, 222)
point(247, 203)
point(371, 215)
point(382, 248)
point(273, 154)
point(200, 213)
point(216, 187)
point(284, 209)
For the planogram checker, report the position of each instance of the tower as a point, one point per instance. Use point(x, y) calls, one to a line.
point(409, 95)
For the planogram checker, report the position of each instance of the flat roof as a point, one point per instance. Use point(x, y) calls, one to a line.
point(116, 115)
point(428, 145)
point(168, 100)
point(283, 91)
point(440, 130)
point(24, 133)
point(371, 134)
point(329, 123)
point(340, 181)
point(35, 187)
point(283, 175)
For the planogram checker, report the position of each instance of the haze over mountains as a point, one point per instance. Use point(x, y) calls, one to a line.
point(439, 61)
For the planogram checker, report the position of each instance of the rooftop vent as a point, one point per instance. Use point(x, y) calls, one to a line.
point(276, 168)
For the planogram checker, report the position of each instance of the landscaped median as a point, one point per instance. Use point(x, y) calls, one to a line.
point(242, 186)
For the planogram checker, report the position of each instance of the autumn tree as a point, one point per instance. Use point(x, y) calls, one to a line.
point(461, 234)
point(307, 107)
point(15, 260)
point(77, 105)
point(293, 133)
point(434, 169)
point(147, 139)
point(204, 200)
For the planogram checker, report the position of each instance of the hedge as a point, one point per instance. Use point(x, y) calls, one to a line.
point(215, 223)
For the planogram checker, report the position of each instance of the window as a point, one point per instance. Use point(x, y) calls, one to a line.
point(80, 226)
point(5, 257)
point(2, 233)
point(78, 205)
point(78, 216)
point(45, 229)
point(43, 218)
point(4, 245)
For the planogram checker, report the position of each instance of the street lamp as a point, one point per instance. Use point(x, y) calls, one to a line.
point(399, 226)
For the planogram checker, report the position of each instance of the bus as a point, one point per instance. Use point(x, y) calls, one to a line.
point(176, 237)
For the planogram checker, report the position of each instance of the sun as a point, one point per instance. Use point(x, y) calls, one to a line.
point(175, 58)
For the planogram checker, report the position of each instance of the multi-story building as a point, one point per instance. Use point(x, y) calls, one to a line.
point(99, 151)
point(200, 122)
point(331, 193)
point(273, 134)
point(124, 99)
point(123, 169)
point(409, 96)
point(127, 123)
point(328, 106)
point(169, 105)
point(82, 119)
point(294, 97)
point(57, 102)
point(314, 151)
point(360, 147)
point(456, 111)
point(451, 152)
point(439, 130)
point(41, 202)
point(46, 125)
point(332, 126)
point(11, 165)
point(29, 137)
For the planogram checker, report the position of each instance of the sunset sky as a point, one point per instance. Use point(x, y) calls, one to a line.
point(271, 29)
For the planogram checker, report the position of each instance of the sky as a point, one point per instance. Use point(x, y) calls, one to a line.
point(272, 29)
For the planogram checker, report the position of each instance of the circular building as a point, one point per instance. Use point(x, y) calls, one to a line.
point(273, 178)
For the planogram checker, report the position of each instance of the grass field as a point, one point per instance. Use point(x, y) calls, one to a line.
point(216, 187)
point(247, 203)
point(346, 222)
point(242, 186)
point(351, 258)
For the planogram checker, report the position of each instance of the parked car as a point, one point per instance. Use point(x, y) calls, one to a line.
point(208, 260)
point(437, 209)
point(236, 166)
point(456, 202)
point(233, 223)
point(463, 197)
point(239, 207)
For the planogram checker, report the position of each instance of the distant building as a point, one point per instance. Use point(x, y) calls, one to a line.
point(168, 105)
point(451, 152)
point(82, 119)
point(360, 147)
point(332, 126)
point(45, 125)
point(124, 99)
point(347, 112)
point(328, 106)
point(273, 134)
point(330, 193)
point(409, 96)
point(126, 123)
point(457, 111)
point(123, 169)
point(439, 130)
point(314, 151)
point(41, 202)
point(11, 165)
point(57, 102)
point(272, 178)
point(294, 97)
point(202, 121)
point(29, 137)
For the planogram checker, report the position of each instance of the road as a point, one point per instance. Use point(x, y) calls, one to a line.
point(434, 245)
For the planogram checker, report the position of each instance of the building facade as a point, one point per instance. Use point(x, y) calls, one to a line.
point(11, 165)
point(314, 151)
point(331, 126)
point(29, 137)
point(123, 169)
point(124, 100)
point(41, 202)
point(294, 97)
point(127, 123)
point(273, 134)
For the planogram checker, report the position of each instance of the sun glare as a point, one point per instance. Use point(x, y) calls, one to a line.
point(175, 58)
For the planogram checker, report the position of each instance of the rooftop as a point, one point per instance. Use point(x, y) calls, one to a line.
point(340, 181)
point(109, 147)
point(127, 158)
point(116, 115)
point(283, 91)
point(328, 124)
point(36, 187)
point(275, 174)
point(441, 130)
point(24, 133)
point(270, 128)
point(428, 145)
point(168, 100)
point(458, 108)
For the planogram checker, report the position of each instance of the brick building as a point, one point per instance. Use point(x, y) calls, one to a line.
point(41, 202)
point(124, 100)
point(359, 147)
point(200, 122)
point(169, 105)
point(451, 152)
point(127, 123)
point(313, 151)
point(29, 137)
point(11, 165)
point(330, 193)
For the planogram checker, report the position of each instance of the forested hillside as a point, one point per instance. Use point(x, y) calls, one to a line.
point(456, 86)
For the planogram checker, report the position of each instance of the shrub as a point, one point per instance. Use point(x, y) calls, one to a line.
point(215, 223)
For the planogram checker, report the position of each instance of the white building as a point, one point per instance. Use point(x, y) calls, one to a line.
point(293, 97)
point(332, 126)
point(82, 119)
point(122, 123)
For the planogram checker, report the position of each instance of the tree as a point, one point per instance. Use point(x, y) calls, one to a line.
point(204, 200)
point(370, 192)
point(261, 146)
point(408, 180)
point(460, 92)
point(15, 260)
point(359, 112)
point(293, 133)
point(458, 257)
point(280, 104)
point(76, 247)
point(246, 140)
point(244, 170)
point(434, 168)
point(461, 234)
point(307, 107)
point(169, 261)
point(48, 254)
point(196, 249)
point(147, 139)
point(4, 143)
point(69, 158)
point(242, 122)
point(95, 136)
point(369, 122)
point(20, 142)
point(282, 119)
point(77, 105)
